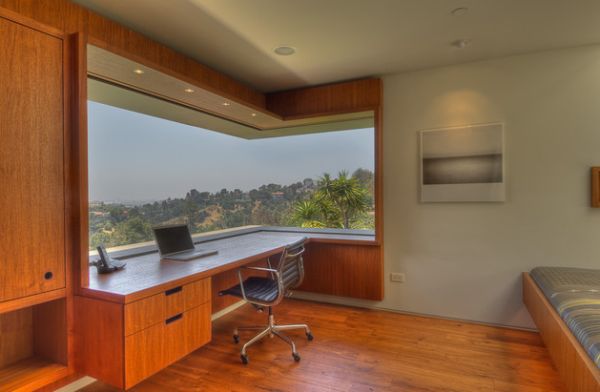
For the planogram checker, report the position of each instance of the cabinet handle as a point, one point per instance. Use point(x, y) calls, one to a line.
point(174, 318)
point(48, 275)
point(173, 290)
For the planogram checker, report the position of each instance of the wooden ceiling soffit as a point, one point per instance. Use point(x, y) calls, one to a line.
point(121, 71)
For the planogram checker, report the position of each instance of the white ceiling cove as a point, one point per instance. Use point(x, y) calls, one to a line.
point(347, 39)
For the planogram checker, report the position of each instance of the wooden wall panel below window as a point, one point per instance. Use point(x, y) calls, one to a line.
point(227, 279)
point(345, 270)
point(354, 271)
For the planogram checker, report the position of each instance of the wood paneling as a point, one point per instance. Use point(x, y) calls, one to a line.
point(363, 350)
point(154, 309)
point(50, 331)
point(117, 70)
point(123, 344)
point(16, 336)
point(98, 339)
point(198, 327)
point(70, 17)
point(353, 96)
point(227, 279)
point(144, 313)
point(154, 348)
point(31, 162)
point(595, 186)
point(220, 282)
point(65, 16)
point(35, 246)
point(146, 275)
point(30, 374)
point(144, 352)
point(20, 303)
point(196, 293)
point(76, 162)
point(343, 270)
point(378, 191)
point(575, 367)
point(33, 347)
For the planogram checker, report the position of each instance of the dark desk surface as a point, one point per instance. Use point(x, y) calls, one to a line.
point(146, 274)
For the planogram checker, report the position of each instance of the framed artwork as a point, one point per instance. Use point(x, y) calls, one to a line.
point(463, 164)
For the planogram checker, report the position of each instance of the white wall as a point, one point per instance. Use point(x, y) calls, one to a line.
point(464, 260)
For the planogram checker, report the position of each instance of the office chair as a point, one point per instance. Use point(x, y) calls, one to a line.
point(268, 292)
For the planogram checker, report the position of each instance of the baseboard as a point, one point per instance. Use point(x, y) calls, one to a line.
point(229, 309)
point(361, 303)
point(77, 384)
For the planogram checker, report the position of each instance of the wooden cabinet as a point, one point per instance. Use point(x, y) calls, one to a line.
point(156, 347)
point(123, 344)
point(34, 310)
point(32, 202)
point(154, 309)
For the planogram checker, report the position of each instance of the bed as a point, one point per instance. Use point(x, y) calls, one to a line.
point(565, 305)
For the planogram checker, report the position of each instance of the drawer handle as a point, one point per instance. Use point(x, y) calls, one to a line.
point(173, 290)
point(174, 318)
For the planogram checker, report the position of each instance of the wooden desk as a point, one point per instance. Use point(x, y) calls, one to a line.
point(134, 322)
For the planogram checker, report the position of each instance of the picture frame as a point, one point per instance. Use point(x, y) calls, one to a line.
point(463, 164)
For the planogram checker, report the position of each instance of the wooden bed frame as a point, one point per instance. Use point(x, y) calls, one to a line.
point(575, 367)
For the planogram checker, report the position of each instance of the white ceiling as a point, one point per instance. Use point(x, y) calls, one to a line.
point(348, 39)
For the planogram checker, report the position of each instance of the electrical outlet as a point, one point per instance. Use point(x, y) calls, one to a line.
point(397, 277)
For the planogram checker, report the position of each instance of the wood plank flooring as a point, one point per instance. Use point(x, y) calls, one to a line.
point(362, 350)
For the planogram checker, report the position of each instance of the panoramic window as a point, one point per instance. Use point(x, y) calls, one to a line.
point(146, 171)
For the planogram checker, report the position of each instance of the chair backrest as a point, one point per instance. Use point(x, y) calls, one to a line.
point(291, 265)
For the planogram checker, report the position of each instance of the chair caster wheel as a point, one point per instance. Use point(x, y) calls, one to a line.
point(244, 358)
point(236, 338)
point(296, 357)
point(309, 336)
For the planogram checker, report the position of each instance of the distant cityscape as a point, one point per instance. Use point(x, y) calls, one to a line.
point(345, 201)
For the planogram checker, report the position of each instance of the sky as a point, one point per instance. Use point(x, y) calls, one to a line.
point(137, 157)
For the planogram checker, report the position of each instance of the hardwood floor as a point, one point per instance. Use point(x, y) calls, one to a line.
point(362, 350)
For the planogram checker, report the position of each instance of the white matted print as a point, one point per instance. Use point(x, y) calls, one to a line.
point(463, 164)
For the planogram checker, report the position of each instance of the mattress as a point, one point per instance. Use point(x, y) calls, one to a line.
point(575, 294)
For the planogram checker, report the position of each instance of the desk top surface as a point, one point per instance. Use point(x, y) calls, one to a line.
point(146, 274)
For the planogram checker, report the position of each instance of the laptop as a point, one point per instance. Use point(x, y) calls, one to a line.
point(175, 243)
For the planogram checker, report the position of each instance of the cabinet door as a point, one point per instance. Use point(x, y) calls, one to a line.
point(32, 255)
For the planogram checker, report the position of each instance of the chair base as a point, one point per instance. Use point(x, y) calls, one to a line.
point(271, 330)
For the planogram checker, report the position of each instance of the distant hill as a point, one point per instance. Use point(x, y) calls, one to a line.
point(114, 224)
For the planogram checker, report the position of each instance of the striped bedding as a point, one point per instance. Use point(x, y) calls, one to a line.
point(575, 294)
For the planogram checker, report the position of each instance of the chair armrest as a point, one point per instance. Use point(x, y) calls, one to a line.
point(272, 270)
point(241, 278)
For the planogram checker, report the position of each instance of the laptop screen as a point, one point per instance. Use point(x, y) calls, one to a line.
point(173, 239)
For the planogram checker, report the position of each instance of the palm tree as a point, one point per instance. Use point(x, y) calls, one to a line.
point(308, 212)
point(336, 203)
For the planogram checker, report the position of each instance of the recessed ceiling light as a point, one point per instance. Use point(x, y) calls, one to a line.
point(188, 90)
point(226, 104)
point(253, 114)
point(460, 11)
point(461, 43)
point(138, 71)
point(284, 50)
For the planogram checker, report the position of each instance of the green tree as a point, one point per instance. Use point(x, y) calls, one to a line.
point(338, 203)
point(308, 213)
point(132, 231)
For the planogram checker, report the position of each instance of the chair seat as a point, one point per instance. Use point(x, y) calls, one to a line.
point(256, 288)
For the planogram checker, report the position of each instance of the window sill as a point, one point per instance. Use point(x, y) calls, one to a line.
point(331, 236)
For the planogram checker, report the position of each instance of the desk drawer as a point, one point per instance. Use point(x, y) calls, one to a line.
point(156, 347)
point(159, 307)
